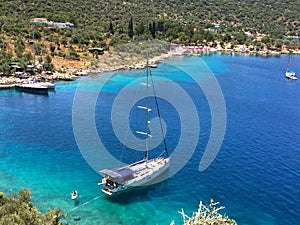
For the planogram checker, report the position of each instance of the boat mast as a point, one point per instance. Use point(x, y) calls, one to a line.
point(147, 109)
point(158, 112)
point(33, 54)
point(43, 63)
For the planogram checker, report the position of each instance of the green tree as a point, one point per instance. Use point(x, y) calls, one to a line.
point(36, 35)
point(111, 28)
point(161, 26)
point(140, 29)
point(18, 209)
point(153, 30)
point(52, 48)
point(183, 37)
point(73, 54)
point(207, 215)
point(19, 49)
point(130, 28)
point(75, 40)
point(64, 41)
point(48, 63)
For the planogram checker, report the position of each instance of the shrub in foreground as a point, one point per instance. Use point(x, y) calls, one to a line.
point(18, 209)
point(207, 215)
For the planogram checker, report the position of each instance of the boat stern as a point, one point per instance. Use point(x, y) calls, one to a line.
point(107, 191)
point(109, 186)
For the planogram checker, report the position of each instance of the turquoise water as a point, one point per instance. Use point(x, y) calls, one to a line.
point(256, 174)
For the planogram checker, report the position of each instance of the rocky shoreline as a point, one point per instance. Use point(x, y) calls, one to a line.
point(71, 74)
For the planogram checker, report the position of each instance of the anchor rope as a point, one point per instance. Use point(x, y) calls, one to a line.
point(85, 203)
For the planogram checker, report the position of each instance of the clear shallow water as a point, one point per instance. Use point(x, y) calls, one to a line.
point(256, 174)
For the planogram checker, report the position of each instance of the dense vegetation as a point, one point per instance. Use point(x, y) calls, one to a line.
point(207, 215)
point(18, 209)
point(102, 23)
point(94, 16)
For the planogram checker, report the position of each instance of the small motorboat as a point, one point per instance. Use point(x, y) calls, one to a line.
point(74, 195)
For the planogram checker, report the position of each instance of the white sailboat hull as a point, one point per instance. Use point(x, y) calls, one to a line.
point(49, 85)
point(143, 172)
point(291, 75)
point(35, 88)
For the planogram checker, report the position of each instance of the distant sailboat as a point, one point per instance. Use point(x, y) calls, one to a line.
point(49, 85)
point(289, 73)
point(139, 173)
point(33, 86)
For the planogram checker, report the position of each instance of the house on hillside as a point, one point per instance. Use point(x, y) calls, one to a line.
point(51, 23)
point(217, 26)
point(38, 20)
point(30, 69)
point(15, 67)
point(60, 25)
point(96, 51)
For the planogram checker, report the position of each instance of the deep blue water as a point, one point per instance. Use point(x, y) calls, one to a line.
point(256, 174)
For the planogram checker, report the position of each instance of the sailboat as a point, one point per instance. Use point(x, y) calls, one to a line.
point(289, 73)
point(33, 86)
point(141, 172)
point(49, 85)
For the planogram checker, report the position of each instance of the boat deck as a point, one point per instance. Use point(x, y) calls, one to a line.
point(7, 86)
point(144, 169)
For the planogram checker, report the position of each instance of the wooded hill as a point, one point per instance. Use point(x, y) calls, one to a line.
point(98, 23)
point(264, 16)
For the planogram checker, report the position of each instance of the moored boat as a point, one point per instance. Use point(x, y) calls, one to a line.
point(141, 172)
point(290, 74)
point(34, 88)
point(7, 86)
point(74, 195)
point(133, 175)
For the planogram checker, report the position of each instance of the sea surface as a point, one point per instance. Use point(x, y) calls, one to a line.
point(255, 175)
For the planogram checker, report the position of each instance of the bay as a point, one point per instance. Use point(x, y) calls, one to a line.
point(256, 174)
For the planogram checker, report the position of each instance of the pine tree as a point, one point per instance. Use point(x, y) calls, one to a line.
point(111, 28)
point(153, 30)
point(130, 28)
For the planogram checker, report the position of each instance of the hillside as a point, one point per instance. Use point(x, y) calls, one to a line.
point(104, 24)
point(264, 16)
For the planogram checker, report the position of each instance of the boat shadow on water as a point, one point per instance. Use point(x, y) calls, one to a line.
point(140, 193)
point(22, 91)
point(76, 202)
